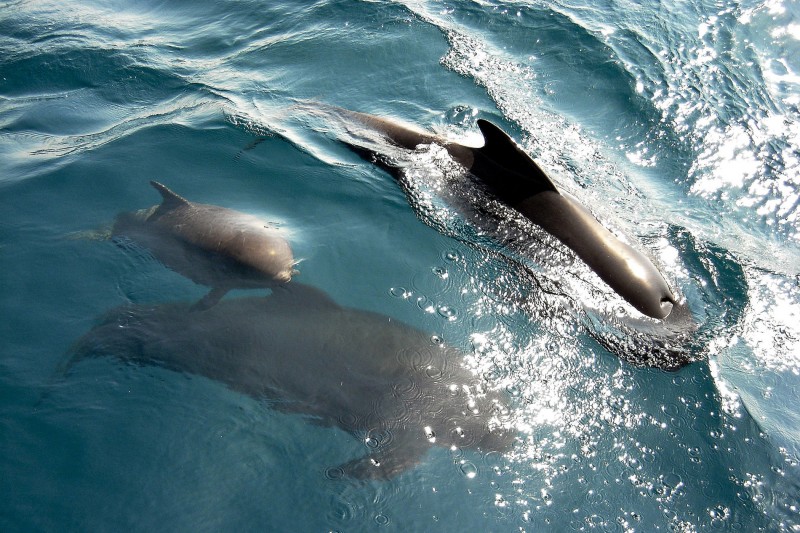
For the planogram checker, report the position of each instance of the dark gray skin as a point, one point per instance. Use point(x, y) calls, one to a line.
point(366, 373)
point(211, 245)
point(516, 180)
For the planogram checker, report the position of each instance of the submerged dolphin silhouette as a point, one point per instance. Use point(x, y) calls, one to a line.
point(384, 382)
point(211, 245)
point(516, 180)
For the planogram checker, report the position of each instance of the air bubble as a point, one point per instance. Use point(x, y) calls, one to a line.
point(469, 470)
point(400, 292)
point(452, 256)
point(670, 409)
point(672, 480)
point(429, 434)
point(447, 312)
point(422, 303)
point(594, 497)
point(499, 501)
point(334, 473)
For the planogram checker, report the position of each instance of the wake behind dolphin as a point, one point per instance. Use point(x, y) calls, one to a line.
point(211, 245)
point(374, 377)
point(514, 178)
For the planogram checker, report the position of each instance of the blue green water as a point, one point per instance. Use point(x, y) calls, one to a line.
point(676, 124)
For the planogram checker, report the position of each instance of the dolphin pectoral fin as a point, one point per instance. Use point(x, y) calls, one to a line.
point(211, 299)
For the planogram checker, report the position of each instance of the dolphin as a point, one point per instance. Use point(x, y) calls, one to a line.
point(384, 382)
point(211, 245)
point(515, 179)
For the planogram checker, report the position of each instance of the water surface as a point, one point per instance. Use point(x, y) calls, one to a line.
point(676, 124)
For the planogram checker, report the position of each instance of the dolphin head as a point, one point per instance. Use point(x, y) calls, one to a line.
point(257, 254)
point(272, 258)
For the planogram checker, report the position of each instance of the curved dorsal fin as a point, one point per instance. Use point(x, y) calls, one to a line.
point(503, 152)
point(169, 199)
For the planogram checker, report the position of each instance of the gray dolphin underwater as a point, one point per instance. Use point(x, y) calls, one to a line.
point(515, 179)
point(214, 246)
point(384, 382)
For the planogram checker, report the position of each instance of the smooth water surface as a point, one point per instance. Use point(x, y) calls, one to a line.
point(676, 124)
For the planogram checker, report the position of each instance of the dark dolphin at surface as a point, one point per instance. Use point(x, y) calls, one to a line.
point(388, 384)
point(516, 180)
point(211, 245)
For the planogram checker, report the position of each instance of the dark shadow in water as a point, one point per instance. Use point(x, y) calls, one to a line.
point(389, 385)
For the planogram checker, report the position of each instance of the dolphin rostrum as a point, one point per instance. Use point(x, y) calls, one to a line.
point(516, 180)
point(386, 383)
point(211, 245)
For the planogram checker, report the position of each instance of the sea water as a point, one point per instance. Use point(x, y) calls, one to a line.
point(677, 124)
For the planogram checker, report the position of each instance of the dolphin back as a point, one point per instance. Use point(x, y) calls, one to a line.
point(516, 180)
point(211, 245)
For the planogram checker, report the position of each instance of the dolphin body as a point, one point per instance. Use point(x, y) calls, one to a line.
point(386, 383)
point(516, 180)
point(211, 245)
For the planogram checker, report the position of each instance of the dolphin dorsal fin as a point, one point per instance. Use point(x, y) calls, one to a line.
point(502, 151)
point(170, 200)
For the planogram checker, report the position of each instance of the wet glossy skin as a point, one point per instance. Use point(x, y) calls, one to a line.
point(515, 179)
point(211, 245)
point(623, 268)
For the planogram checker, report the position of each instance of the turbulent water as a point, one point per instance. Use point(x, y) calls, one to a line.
point(676, 124)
